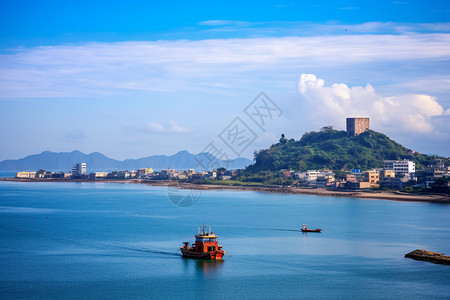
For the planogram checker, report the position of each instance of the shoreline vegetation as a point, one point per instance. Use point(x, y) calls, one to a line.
point(362, 194)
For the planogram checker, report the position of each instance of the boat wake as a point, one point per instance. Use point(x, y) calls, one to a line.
point(152, 251)
point(262, 228)
point(77, 245)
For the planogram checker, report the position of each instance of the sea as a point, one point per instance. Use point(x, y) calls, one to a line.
point(121, 241)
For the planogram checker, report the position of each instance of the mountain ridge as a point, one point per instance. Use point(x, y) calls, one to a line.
point(63, 161)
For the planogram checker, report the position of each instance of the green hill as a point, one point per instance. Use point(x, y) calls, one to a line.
point(333, 149)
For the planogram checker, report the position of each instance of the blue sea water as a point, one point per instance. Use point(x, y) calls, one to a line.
point(7, 174)
point(120, 241)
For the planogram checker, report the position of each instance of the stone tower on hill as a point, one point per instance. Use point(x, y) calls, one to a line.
point(356, 126)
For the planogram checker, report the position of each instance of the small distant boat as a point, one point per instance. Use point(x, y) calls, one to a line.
point(304, 229)
point(206, 246)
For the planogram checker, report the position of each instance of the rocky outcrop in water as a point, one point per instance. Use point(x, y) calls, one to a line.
point(434, 257)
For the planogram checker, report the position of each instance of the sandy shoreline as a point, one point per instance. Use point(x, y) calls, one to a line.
point(362, 194)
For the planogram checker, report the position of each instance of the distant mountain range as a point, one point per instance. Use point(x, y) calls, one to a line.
point(63, 161)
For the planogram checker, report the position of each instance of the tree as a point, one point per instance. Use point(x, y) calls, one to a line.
point(221, 169)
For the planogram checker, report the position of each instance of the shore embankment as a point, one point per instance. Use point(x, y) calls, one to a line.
point(361, 194)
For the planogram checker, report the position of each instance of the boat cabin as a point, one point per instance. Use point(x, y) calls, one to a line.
point(206, 241)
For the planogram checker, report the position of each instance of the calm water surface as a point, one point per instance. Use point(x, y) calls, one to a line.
point(94, 240)
point(7, 174)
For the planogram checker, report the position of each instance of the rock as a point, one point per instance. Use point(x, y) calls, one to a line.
point(434, 257)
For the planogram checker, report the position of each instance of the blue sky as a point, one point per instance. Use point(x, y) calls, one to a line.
point(137, 78)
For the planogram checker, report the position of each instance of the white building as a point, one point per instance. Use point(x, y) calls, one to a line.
point(26, 174)
point(310, 175)
point(79, 169)
point(316, 178)
point(400, 166)
point(95, 175)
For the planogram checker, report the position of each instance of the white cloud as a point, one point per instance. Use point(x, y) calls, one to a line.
point(154, 127)
point(406, 113)
point(174, 127)
point(213, 66)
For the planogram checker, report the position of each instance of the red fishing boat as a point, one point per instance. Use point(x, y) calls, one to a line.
point(304, 229)
point(206, 246)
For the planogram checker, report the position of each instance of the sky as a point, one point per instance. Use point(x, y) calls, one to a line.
point(131, 78)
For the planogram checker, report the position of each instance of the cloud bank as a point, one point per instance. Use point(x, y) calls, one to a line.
point(405, 113)
point(212, 66)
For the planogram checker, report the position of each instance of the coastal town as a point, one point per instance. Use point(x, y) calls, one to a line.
point(394, 175)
